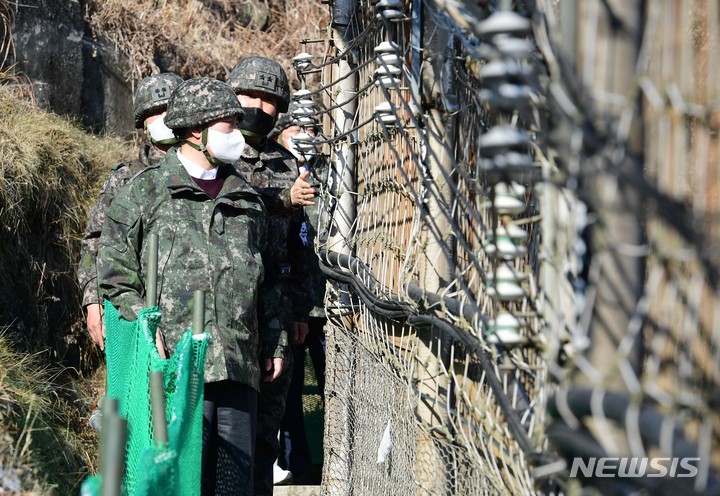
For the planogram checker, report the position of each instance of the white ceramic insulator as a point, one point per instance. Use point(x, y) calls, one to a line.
point(387, 47)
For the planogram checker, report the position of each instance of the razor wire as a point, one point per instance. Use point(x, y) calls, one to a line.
point(469, 233)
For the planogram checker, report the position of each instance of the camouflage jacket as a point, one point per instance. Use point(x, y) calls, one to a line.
point(212, 245)
point(314, 239)
point(268, 159)
point(272, 170)
point(119, 176)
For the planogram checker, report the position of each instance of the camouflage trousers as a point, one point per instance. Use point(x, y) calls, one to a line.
point(270, 411)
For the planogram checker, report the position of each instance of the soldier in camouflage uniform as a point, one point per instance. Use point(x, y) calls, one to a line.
point(263, 91)
point(293, 440)
point(212, 229)
point(149, 104)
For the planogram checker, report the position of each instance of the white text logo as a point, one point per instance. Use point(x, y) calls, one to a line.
point(634, 467)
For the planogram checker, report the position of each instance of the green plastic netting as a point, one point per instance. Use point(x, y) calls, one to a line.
point(131, 355)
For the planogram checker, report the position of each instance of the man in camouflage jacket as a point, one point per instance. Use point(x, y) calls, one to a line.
point(212, 229)
point(149, 105)
point(263, 91)
point(294, 444)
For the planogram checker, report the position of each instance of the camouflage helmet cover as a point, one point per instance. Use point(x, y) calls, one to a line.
point(152, 95)
point(263, 75)
point(284, 121)
point(287, 119)
point(199, 101)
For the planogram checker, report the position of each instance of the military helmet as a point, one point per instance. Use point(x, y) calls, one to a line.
point(284, 121)
point(263, 75)
point(152, 95)
point(199, 101)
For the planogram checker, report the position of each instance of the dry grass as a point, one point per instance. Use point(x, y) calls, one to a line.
point(7, 46)
point(45, 447)
point(50, 172)
point(203, 37)
point(7, 53)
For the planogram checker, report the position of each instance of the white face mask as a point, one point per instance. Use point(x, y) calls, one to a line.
point(226, 147)
point(292, 148)
point(160, 133)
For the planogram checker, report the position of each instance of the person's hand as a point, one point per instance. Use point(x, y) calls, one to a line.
point(301, 193)
point(273, 368)
point(299, 331)
point(160, 344)
point(95, 324)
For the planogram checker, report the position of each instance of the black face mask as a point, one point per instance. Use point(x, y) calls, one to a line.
point(256, 123)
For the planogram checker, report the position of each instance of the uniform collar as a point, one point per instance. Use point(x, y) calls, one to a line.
point(195, 170)
point(178, 179)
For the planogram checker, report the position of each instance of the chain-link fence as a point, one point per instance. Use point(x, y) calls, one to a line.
point(520, 233)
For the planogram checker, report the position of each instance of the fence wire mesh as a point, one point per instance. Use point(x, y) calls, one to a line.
point(520, 231)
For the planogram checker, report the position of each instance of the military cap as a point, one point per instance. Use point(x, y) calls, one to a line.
point(152, 95)
point(199, 101)
point(261, 74)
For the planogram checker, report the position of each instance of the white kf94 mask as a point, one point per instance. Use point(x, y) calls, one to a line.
point(226, 147)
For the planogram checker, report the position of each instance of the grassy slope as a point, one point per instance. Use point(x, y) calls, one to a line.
point(45, 447)
point(50, 172)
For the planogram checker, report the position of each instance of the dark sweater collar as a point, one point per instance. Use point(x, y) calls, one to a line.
point(177, 179)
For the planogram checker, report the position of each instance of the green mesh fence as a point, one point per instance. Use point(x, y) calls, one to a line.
point(131, 355)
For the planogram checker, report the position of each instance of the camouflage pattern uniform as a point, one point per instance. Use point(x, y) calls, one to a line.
point(271, 170)
point(150, 98)
point(317, 280)
point(296, 456)
point(207, 244)
point(119, 176)
point(319, 170)
point(204, 243)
